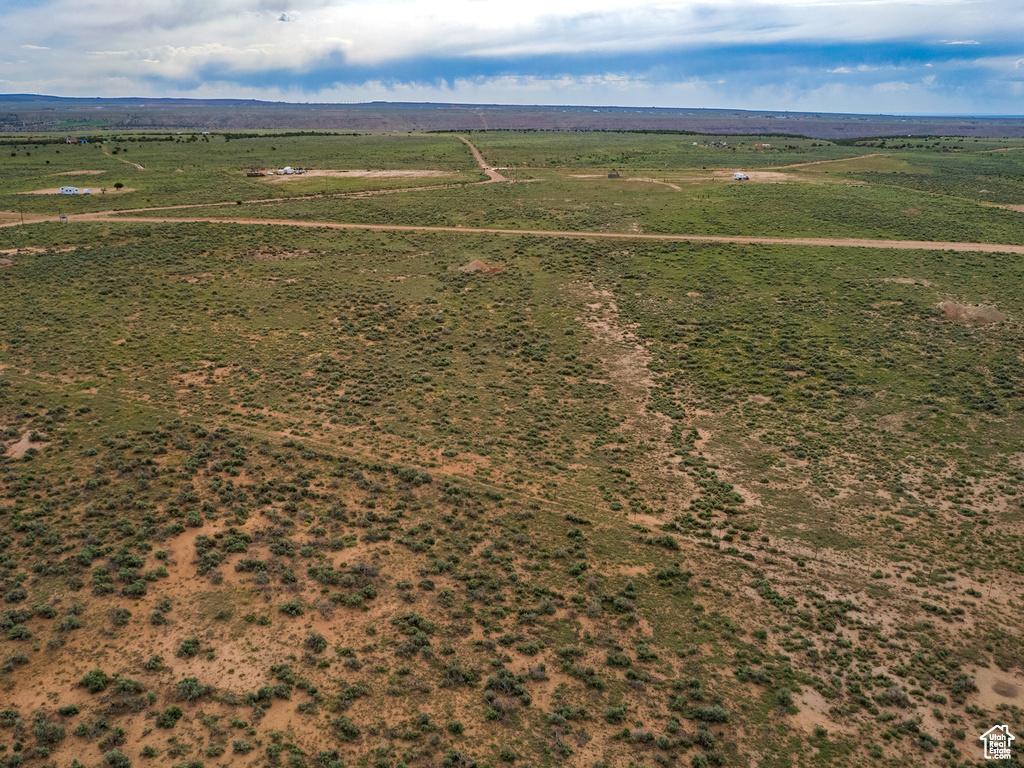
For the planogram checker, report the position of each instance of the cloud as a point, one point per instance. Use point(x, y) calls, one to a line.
point(811, 52)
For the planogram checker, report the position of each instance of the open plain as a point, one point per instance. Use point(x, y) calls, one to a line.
point(510, 448)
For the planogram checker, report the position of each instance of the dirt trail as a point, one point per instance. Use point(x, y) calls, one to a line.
point(492, 174)
point(843, 242)
point(127, 162)
point(676, 187)
point(819, 162)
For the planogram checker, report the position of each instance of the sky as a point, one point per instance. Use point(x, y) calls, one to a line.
point(862, 56)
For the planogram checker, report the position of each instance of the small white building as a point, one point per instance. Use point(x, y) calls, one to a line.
point(69, 190)
point(87, 191)
point(740, 176)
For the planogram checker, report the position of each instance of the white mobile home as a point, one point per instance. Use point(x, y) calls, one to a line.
point(69, 190)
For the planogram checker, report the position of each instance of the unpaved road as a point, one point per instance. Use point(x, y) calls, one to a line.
point(819, 162)
point(127, 162)
point(843, 242)
point(492, 174)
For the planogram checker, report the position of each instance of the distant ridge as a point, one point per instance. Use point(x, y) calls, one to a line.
point(32, 112)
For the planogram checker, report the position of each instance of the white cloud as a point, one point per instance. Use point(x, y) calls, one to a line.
point(182, 42)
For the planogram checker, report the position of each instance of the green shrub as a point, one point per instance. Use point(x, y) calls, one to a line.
point(115, 758)
point(95, 681)
point(188, 648)
point(191, 689)
point(169, 717)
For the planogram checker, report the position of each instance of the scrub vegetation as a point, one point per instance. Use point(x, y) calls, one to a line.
point(298, 496)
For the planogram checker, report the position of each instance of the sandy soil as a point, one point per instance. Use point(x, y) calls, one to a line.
point(357, 175)
point(765, 177)
point(965, 313)
point(484, 269)
point(95, 191)
point(20, 448)
point(78, 173)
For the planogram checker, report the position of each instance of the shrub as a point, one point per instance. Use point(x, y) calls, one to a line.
point(188, 648)
point(615, 714)
point(46, 732)
point(712, 714)
point(191, 689)
point(169, 717)
point(315, 642)
point(115, 758)
point(345, 729)
point(95, 681)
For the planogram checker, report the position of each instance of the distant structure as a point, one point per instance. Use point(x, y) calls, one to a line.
point(759, 145)
point(69, 190)
point(87, 191)
point(614, 175)
point(740, 176)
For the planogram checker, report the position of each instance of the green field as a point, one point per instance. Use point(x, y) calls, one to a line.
point(283, 495)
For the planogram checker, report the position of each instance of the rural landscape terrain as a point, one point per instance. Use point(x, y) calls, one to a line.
point(510, 447)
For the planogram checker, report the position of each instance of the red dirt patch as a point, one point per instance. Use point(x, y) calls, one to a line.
point(5, 263)
point(484, 269)
point(20, 448)
point(965, 313)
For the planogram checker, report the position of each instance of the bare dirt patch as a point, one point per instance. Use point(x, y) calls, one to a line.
point(908, 281)
point(759, 399)
point(765, 177)
point(5, 263)
point(996, 687)
point(484, 269)
point(355, 174)
point(20, 448)
point(965, 313)
point(94, 193)
point(78, 173)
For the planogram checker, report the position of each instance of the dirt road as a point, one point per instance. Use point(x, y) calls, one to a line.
point(843, 242)
point(819, 162)
point(128, 162)
point(492, 174)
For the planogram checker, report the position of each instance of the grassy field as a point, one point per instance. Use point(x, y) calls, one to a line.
point(310, 497)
